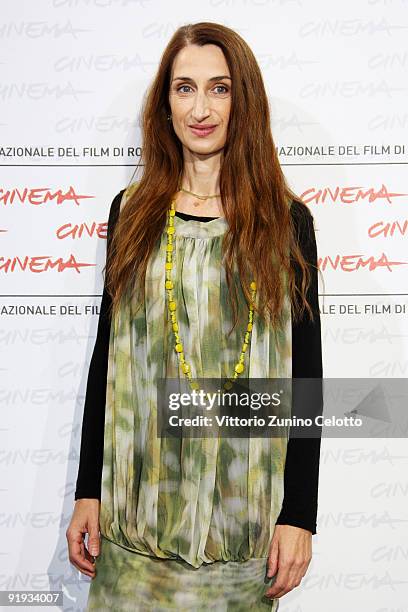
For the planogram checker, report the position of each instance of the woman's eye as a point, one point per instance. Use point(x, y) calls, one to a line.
point(181, 89)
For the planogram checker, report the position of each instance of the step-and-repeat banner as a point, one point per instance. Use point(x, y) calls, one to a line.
point(73, 76)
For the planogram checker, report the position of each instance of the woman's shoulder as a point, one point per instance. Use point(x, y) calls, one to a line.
point(300, 210)
point(303, 220)
point(128, 192)
point(119, 201)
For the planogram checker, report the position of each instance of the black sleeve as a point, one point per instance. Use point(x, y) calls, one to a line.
point(92, 438)
point(301, 476)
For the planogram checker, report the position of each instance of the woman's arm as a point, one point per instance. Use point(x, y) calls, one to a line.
point(92, 438)
point(301, 476)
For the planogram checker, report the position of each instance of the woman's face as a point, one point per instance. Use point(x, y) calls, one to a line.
point(200, 95)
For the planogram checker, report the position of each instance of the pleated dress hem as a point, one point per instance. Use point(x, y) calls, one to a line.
point(133, 582)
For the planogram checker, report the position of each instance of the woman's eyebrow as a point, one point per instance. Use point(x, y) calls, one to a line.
point(215, 78)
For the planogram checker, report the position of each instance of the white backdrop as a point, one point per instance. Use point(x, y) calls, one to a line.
point(73, 74)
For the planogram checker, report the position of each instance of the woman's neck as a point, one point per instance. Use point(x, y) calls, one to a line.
point(184, 202)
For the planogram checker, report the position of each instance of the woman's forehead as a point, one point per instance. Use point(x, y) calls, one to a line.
point(198, 62)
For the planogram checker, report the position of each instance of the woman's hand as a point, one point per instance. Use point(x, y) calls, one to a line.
point(85, 519)
point(289, 556)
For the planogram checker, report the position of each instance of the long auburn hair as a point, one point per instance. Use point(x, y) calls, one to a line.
point(255, 196)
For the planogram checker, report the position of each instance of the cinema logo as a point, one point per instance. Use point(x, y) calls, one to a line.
point(349, 195)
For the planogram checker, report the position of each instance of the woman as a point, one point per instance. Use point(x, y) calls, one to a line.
point(198, 524)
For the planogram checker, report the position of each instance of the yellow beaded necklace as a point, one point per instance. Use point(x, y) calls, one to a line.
point(239, 368)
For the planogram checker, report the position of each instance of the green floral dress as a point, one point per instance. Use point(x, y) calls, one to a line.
point(186, 523)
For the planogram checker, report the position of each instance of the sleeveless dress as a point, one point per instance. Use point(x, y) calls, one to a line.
point(186, 523)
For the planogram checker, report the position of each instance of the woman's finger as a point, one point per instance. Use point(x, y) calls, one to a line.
point(289, 580)
point(77, 554)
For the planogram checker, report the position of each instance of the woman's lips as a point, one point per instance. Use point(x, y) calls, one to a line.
point(204, 131)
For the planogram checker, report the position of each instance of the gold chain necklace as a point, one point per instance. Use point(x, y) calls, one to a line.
point(200, 197)
point(239, 367)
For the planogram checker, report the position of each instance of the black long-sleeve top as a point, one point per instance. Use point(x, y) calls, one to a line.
point(299, 507)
